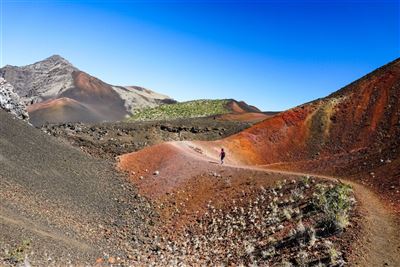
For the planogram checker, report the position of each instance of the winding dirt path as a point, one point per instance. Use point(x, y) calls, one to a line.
point(380, 237)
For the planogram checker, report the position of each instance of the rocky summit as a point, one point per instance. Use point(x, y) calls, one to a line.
point(41, 80)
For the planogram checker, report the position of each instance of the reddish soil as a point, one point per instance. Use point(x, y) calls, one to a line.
point(60, 110)
point(244, 117)
point(90, 100)
point(180, 165)
point(189, 178)
point(241, 107)
point(351, 133)
point(51, 103)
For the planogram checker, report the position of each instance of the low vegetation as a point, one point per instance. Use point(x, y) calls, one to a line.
point(190, 109)
point(285, 225)
point(335, 202)
point(18, 253)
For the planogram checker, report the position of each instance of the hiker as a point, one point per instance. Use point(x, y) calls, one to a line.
point(222, 155)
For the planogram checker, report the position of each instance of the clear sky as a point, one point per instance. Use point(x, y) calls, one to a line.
point(272, 54)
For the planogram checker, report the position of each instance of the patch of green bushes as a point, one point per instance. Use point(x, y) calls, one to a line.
point(17, 255)
point(190, 109)
point(335, 202)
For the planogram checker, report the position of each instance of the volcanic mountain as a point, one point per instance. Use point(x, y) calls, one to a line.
point(56, 91)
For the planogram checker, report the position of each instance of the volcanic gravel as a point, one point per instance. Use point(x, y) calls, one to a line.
point(70, 207)
point(107, 140)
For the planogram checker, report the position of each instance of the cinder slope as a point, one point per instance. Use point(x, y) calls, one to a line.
point(97, 95)
point(241, 107)
point(361, 114)
point(71, 207)
point(61, 110)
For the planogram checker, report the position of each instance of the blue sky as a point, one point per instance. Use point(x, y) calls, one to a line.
point(272, 54)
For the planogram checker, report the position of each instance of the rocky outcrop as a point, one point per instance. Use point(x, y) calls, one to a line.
point(10, 101)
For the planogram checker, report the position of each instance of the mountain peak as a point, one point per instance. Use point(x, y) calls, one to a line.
point(41, 80)
point(55, 59)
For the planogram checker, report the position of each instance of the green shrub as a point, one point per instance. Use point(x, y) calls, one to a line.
point(335, 202)
point(190, 109)
point(17, 255)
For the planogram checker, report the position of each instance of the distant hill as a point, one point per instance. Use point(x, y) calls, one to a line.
point(197, 108)
point(55, 91)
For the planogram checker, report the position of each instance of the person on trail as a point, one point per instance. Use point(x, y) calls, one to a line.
point(222, 155)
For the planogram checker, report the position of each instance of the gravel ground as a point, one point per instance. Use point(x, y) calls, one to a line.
point(59, 205)
point(107, 140)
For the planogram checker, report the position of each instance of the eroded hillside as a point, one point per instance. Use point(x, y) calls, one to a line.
point(354, 132)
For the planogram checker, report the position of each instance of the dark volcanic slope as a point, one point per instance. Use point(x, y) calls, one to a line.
point(66, 203)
